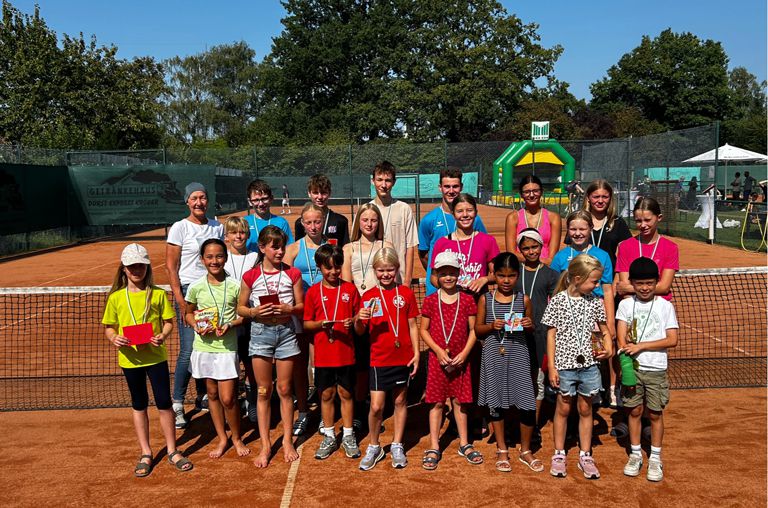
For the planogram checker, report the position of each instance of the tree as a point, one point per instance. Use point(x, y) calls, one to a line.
point(676, 80)
point(424, 70)
point(746, 125)
point(73, 95)
point(214, 94)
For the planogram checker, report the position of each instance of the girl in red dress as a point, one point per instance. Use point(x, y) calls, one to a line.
point(447, 327)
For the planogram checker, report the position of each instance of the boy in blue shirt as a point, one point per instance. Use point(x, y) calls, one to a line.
point(260, 198)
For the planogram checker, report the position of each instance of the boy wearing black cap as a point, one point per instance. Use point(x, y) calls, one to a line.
point(646, 328)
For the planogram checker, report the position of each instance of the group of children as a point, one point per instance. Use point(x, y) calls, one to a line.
point(263, 309)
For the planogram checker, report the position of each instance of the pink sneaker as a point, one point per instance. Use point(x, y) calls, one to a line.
point(588, 467)
point(557, 468)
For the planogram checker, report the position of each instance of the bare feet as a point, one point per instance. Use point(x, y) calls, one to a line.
point(242, 450)
point(289, 451)
point(262, 460)
point(219, 450)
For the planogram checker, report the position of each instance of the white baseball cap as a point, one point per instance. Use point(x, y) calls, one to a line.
point(446, 258)
point(135, 254)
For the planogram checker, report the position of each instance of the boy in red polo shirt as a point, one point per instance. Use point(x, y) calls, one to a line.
point(329, 312)
point(389, 313)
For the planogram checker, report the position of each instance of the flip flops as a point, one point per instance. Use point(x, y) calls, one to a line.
point(431, 459)
point(471, 456)
point(183, 464)
point(534, 465)
point(143, 469)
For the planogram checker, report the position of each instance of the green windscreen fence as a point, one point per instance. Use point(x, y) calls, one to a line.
point(151, 194)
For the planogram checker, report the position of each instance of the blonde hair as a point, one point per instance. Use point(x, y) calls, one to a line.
point(309, 205)
point(579, 215)
point(356, 234)
point(610, 212)
point(235, 225)
point(386, 255)
point(579, 267)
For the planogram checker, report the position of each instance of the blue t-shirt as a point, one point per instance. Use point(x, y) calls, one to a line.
point(565, 255)
point(256, 224)
point(437, 224)
point(305, 263)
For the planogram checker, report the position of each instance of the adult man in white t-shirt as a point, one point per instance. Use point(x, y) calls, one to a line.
point(399, 222)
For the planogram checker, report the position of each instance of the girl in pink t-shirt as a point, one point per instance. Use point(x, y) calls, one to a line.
point(648, 243)
point(475, 249)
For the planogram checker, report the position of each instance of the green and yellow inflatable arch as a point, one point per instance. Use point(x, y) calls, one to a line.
point(521, 153)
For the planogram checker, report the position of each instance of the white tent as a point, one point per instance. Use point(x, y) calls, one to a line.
point(728, 153)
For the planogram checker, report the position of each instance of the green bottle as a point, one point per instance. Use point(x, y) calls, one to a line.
point(628, 377)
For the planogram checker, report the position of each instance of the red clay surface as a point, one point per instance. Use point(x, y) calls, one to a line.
point(714, 446)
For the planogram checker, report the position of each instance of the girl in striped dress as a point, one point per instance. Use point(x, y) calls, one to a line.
point(503, 318)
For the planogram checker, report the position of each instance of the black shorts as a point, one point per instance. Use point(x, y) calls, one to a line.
point(243, 333)
point(362, 351)
point(328, 377)
point(384, 379)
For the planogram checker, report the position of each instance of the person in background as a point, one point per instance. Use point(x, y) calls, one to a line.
point(182, 260)
point(260, 198)
point(736, 187)
point(286, 201)
point(335, 226)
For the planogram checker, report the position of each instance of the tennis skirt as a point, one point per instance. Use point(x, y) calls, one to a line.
point(218, 366)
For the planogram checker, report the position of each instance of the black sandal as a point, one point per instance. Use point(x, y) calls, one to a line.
point(471, 456)
point(143, 469)
point(181, 463)
point(429, 462)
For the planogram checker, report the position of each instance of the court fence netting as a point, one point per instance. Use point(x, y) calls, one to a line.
point(54, 354)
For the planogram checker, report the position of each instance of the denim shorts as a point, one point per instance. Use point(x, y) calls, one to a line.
point(273, 341)
point(584, 381)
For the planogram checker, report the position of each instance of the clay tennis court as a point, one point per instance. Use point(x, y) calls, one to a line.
point(714, 446)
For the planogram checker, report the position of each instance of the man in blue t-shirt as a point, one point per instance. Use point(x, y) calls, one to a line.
point(260, 198)
point(440, 222)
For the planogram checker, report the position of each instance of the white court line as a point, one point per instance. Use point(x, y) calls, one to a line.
point(49, 309)
point(43, 284)
point(715, 338)
point(290, 483)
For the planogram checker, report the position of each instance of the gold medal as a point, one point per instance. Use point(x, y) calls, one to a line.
point(397, 343)
point(362, 286)
point(502, 350)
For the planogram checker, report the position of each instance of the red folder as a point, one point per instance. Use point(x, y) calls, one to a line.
point(138, 334)
point(273, 299)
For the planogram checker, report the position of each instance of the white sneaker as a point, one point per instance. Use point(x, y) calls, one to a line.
point(178, 411)
point(634, 465)
point(655, 470)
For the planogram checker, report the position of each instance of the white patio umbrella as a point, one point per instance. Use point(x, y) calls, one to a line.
point(727, 153)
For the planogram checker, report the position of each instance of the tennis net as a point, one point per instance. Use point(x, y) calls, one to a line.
point(55, 356)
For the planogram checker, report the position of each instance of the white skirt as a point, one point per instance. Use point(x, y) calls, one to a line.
point(218, 366)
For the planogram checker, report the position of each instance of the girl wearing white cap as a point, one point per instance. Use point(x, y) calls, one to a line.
point(138, 319)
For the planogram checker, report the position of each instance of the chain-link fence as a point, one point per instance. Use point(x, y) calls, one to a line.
point(649, 165)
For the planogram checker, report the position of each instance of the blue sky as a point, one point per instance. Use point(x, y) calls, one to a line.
point(594, 33)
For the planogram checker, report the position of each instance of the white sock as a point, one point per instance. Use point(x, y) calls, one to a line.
point(348, 431)
point(636, 450)
point(559, 452)
point(329, 431)
point(582, 453)
point(656, 453)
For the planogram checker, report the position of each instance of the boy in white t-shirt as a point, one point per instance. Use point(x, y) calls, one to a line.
point(399, 223)
point(646, 328)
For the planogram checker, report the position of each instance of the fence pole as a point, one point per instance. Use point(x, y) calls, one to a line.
point(351, 183)
point(165, 157)
point(713, 219)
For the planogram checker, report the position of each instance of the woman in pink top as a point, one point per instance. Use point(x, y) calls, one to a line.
point(650, 244)
point(533, 215)
point(475, 249)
